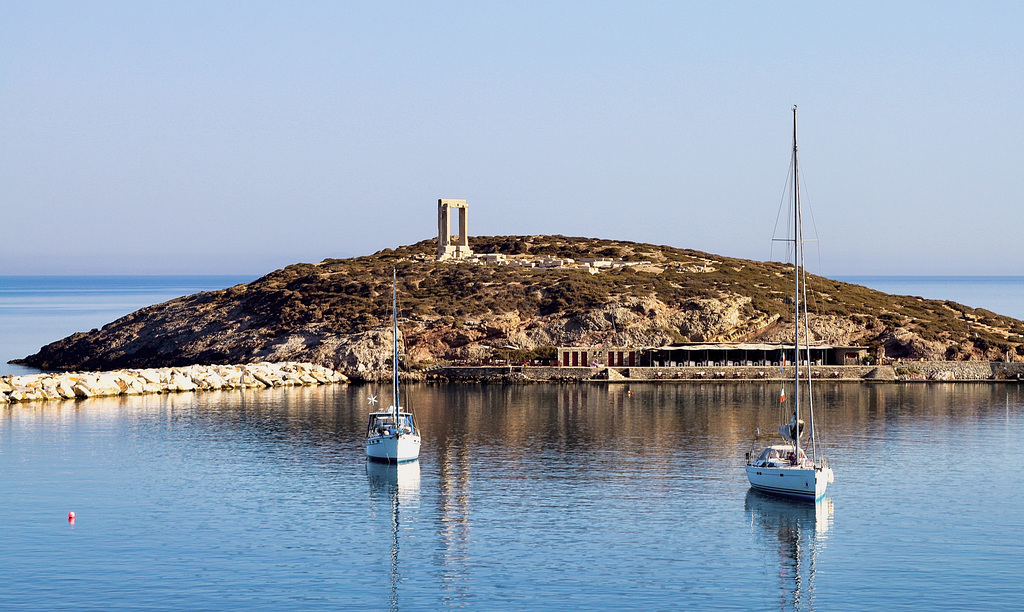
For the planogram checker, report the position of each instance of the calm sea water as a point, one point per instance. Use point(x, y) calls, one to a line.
point(525, 497)
point(1001, 294)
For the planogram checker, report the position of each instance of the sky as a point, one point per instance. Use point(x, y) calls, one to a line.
point(239, 137)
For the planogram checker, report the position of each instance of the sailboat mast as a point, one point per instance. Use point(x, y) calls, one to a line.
point(801, 273)
point(394, 337)
point(797, 255)
point(807, 351)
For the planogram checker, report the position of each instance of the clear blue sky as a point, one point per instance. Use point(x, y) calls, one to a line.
point(238, 137)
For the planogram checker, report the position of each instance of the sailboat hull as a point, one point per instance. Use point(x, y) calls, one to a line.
point(800, 483)
point(395, 448)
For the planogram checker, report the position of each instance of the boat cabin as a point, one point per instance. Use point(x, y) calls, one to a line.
point(779, 455)
point(383, 424)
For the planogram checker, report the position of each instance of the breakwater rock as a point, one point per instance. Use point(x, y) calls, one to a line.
point(77, 385)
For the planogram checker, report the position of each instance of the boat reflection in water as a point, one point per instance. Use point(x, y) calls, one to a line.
point(798, 532)
point(393, 487)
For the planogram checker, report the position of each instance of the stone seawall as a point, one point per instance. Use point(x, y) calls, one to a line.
point(908, 372)
point(79, 385)
point(959, 370)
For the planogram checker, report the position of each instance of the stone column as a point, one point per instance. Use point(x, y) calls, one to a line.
point(443, 229)
point(464, 227)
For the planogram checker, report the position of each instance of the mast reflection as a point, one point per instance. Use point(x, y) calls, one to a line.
point(797, 531)
point(391, 487)
point(453, 519)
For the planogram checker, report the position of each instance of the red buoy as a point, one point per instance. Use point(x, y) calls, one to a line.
point(71, 516)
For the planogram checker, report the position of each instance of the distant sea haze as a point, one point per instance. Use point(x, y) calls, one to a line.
point(1001, 294)
point(37, 310)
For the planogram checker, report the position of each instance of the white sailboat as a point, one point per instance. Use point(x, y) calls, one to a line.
point(392, 436)
point(783, 467)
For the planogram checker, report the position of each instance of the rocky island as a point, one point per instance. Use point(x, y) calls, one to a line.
point(519, 297)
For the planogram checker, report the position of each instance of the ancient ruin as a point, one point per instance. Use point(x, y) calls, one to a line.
point(452, 246)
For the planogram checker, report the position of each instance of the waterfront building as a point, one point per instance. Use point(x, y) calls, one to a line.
point(705, 354)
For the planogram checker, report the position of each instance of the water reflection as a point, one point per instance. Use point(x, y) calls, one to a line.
point(393, 487)
point(453, 523)
point(797, 531)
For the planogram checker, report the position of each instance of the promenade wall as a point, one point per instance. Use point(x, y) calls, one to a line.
point(903, 372)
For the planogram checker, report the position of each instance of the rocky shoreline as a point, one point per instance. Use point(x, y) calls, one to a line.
point(82, 385)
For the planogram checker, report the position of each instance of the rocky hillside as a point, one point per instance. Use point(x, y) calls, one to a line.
point(336, 313)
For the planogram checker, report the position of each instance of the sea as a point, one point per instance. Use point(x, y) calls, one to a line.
point(1000, 294)
point(38, 310)
point(525, 497)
